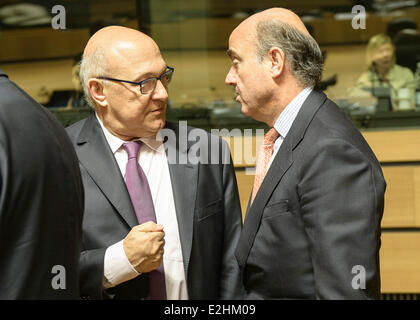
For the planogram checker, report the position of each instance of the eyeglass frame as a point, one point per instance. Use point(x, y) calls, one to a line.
point(140, 83)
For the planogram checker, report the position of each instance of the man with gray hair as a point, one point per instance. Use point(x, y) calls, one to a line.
point(154, 227)
point(312, 227)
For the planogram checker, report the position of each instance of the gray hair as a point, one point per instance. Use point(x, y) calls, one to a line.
point(91, 66)
point(302, 53)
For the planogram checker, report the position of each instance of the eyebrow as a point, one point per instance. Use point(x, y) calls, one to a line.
point(233, 54)
point(148, 75)
point(230, 53)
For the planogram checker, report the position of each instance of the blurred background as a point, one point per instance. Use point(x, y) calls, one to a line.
point(372, 72)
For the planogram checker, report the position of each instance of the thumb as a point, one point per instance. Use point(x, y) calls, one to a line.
point(159, 227)
point(149, 226)
point(146, 227)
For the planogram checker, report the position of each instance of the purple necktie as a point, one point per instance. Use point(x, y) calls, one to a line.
point(140, 195)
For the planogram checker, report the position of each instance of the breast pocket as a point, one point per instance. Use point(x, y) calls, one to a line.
point(275, 209)
point(209, 210)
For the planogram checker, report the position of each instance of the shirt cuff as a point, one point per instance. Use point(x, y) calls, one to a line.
point(117, 268)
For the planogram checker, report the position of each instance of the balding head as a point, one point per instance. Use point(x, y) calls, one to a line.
point(280, 14)
point(109, 52)
point(279, 27)
point(114, 62)
point(273, 59)
point(115, 39)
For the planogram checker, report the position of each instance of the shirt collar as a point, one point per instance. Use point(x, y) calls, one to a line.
point(115, 143)
point(288, 115)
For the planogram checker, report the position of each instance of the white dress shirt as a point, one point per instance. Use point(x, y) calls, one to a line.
point(287, 117)
point(153, 161)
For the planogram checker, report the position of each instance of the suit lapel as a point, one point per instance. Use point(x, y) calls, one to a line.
point(97, 158)
point(184, 179)
point(278, 168)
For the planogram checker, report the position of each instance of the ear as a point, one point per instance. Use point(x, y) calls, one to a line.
point(276, 58)
point(96, 90)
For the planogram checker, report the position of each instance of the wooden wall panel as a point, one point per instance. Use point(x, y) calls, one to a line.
point(245, 182)
point(417, 195)
point(394, 145)
point(400, 262)
point(400, 210)
point(41, 43)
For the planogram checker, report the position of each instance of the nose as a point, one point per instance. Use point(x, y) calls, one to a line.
point(385, 53)
point(230, 77)
point(160, 92)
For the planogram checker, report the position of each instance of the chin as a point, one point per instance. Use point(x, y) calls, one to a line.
point(158, 125)
point(162, 123)
point(253, 114)
point(150, 129)
point(247, 111)
point(244, 110)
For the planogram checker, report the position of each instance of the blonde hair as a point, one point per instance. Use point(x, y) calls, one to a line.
point(375, 43)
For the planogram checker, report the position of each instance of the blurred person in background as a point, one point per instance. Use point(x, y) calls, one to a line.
point(382, 69)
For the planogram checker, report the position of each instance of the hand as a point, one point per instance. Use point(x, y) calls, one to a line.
point(143, 246)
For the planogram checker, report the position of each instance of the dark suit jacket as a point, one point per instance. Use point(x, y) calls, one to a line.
point(207, 207)
point(41, 200)
point(317, 213)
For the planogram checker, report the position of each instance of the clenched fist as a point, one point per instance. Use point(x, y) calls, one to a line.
point(143, 246)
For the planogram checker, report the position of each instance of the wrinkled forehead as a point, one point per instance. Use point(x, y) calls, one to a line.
point(130, 59)
point(246, 29)
point(243, 39)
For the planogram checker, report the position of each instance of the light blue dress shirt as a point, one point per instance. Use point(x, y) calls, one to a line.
point(287, 117)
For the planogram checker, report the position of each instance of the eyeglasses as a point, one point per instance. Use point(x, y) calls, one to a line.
point(149, 84)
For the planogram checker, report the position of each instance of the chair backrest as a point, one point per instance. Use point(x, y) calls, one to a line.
point(407, 48)
point(397, 25)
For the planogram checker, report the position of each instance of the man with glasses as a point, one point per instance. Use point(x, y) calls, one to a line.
point(153, 227)
point(149, 84)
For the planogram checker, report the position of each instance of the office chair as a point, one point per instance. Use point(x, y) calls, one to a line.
point(407, 48)
point(397, 25)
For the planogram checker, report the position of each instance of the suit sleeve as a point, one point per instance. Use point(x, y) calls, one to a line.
point(231, 285)
point(341, 198)
point(91, 274)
